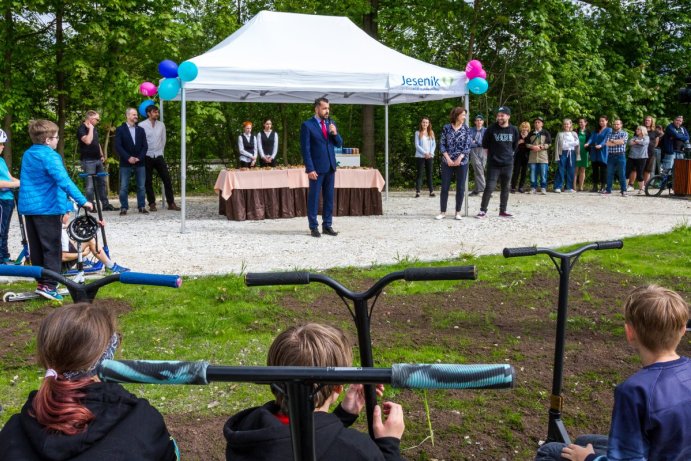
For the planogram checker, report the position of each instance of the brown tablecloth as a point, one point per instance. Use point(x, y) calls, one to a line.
point(270, 193)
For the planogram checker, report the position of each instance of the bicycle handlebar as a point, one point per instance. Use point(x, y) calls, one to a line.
point(141, 278)
point(253, 279)
point(86, 175)
point(532, 251)
point(410, 376)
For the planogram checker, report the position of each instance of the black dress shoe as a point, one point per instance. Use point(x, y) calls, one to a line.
point(143, 211)
point(315, 232)
point(329, 231)
point(123, 211)
point(109, 207)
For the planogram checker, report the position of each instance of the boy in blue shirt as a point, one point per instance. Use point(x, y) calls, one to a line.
point(7, 181)
point(42, 197)
point(651, 418)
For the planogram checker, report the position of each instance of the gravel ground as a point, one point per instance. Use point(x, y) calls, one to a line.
point(407, 230)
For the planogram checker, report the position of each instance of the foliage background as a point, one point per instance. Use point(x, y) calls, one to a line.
point(555, 58)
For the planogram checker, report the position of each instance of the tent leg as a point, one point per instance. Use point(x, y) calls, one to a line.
point(466, 104)
point(386, 147)
point(183, 159)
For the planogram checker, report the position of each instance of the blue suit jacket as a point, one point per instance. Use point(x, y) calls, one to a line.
point(125, 148)
point(318, 153)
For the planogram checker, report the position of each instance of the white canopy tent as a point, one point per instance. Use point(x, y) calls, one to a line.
point(296, 58)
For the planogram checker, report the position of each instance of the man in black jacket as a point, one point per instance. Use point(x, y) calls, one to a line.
point(500, 142)
point(131, 147)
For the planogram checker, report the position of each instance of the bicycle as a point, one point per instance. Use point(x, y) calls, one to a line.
point(656, 184)
point(556, 431)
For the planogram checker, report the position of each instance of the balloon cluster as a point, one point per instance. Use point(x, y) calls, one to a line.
point(476, 77)
point(170, 85)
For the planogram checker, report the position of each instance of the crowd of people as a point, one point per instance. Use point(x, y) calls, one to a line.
point(509, 155)
point(73, 415)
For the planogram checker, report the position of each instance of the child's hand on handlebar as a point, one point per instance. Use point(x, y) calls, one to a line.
point(89, 206)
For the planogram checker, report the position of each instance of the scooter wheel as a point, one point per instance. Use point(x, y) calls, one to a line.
point(7, 297)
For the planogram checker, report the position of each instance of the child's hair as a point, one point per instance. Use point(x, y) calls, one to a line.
point(246, 124)
point(71, 341)
point(40, 130)
point(310, 345)
point(658, 315)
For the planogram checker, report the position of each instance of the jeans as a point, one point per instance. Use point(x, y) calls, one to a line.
point(91, 167)
point(140, 177)
point(479, 161)
point(446, 174)
point(567, 166)
point(542, 167)
point(6, 209)
point(158, 164)
point(552, 451)
point(503, 174)
point(616, 164)
point(427, 164)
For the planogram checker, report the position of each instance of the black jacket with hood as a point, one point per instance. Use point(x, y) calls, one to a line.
point(124, 428)
point(256, 434)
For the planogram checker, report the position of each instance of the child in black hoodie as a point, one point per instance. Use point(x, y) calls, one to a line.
point(74, 416)
point(262, 433)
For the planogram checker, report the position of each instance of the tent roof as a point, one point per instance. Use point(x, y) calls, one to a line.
point(295, 58)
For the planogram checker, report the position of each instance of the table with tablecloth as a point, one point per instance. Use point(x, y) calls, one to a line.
point(271, 193)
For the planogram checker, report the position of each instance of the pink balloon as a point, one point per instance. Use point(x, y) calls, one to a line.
point(474, 64)
point(482, 74)
point(148, 89)
point(472, 73)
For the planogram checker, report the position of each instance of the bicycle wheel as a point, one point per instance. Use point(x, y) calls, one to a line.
point(655, 185)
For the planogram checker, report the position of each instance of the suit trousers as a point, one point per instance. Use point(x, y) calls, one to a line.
point(158, 164)
point(324, 186)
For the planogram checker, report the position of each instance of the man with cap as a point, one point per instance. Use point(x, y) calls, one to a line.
point(499, 143)
point(478, 158)
point(538, 158)
point(156, 142)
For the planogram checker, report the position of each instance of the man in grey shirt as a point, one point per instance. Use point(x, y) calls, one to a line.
point(156, 141)
point(478, 158)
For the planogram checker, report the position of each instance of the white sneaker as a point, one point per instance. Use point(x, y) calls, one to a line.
point(572, 191)
point(629, 189)
point(458, 217)
point(440, 216)
point(543, 191)
point(557, 191)
point(533, 191)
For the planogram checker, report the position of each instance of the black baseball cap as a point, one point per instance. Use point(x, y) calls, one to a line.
point(479, 117)
point(539, 118)
point(504, 109)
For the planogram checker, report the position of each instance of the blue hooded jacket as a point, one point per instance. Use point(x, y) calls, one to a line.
point(45, 183)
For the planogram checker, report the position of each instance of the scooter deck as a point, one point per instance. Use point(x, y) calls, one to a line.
point(11, 296)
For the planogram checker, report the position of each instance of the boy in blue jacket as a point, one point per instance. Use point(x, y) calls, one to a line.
point(7, 181)
point(42, 197)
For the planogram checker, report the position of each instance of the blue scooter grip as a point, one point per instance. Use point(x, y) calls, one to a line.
point(447, 376)
point(153, 372)
point(140, 278)
point(11, 270)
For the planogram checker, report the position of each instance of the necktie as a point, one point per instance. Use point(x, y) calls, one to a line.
point(324, 129)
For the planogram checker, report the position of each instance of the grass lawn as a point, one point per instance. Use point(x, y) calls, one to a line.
point(506, 316)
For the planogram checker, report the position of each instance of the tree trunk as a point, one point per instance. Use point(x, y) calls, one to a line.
point(6, 69)
point(473, 29)
point(370, 26)
point(60, 75)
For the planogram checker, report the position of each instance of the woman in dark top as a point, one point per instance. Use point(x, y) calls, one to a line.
point(247, 146)
point(520, 160)
point(74, 416)
point(649, 124)
point(455, 156)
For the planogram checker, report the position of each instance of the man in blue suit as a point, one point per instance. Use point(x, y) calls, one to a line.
point(131, 147)
point(318, 138)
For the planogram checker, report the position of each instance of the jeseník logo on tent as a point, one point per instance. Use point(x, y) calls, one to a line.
point(425, 83)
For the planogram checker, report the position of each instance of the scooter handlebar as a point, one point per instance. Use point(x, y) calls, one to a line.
point(610, 245)
point(253, 279)
point(153, 372)
point(20, 271)
point(514, 252)
point(86, 175)
point(446, 376)
point(440, 273)
point(140, 278)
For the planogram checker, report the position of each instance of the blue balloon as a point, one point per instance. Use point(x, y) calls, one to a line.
point(169, 88)
point(478, 85)
point(143, 106)
point(168, 68)
point(187, 71)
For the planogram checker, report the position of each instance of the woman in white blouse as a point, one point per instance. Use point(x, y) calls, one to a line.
point(247, 146)
point(566, 153)
point(424, 154)
point(267, 144)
